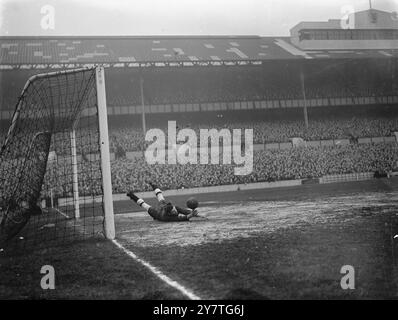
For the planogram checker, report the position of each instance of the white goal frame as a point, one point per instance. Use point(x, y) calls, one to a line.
point(105, 154)
point(109, 224)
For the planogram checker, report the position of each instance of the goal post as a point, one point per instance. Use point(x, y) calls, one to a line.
point(75, 178)
point(105, 155)
point(70, 107)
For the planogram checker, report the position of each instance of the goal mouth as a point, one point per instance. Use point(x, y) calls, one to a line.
point(53, 161)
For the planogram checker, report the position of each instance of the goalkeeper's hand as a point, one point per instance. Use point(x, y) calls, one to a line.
point(195, 213)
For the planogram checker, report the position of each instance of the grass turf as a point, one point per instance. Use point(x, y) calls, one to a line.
point(85, 270)
point(302, 261)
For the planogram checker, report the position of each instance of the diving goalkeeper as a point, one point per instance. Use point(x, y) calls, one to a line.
point(165, 211)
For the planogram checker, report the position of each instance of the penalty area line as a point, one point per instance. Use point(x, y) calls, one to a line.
point(56, 210)
point(61, 213)
point(158, 273)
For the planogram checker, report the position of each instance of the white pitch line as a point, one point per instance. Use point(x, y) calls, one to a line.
point(158, 273)
point(60, 212)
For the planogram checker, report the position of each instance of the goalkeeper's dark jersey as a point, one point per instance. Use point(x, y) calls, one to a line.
point(162, 213)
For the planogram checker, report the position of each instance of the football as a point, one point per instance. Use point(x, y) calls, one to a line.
point(192, 203)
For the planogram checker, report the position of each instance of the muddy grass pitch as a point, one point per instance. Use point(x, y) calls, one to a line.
point(288, 243)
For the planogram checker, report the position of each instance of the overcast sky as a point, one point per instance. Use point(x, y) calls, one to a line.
point(170, 17)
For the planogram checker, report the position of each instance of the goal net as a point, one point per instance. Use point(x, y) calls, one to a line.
point(55, 183)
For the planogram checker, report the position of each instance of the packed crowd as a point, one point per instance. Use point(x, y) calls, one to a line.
point(131, 139)
point(270, 165)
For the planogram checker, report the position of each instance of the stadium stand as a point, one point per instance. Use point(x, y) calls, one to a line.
point(346, 78)
point(358, 82)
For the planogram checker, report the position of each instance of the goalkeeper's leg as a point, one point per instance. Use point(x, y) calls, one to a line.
point(151, 211)
point(158, 193)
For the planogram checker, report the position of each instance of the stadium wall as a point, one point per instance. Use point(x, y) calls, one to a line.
point(215, 189)
point(362, 176)
point(347, 177)
point(199, 190)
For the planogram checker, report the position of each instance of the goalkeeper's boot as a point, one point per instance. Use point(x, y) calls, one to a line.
point(153, 185)
point(132, 196)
